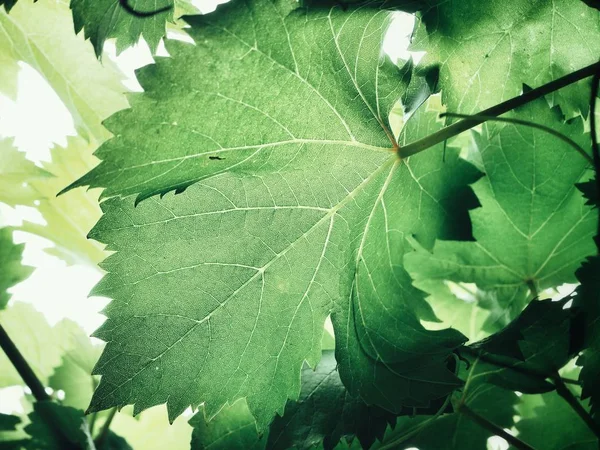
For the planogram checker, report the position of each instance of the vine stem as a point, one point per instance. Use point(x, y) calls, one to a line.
point(105, 428)
point(527, 123)
point(595, 144)
point(23, 367)
point(492, 427)
point(497, 110)
point(567, 395)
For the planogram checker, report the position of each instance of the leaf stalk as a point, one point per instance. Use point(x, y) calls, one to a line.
point(537, 126)
point(22, 367)
point(567, 395)
point(492, 427)
point(497, 110)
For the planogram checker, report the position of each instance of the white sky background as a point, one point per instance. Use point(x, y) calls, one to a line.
point(38, 120)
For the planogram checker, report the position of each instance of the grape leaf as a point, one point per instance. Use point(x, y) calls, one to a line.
point(232, 428)
point(531, 348)
point(244, 66)
point(106, 19)
point(283, 214)
point(11, 270)
point(486, 53)
point(42, 36)
point(56, 427)
point(533, 229)
point(42, 346)
point(454, 431)
point(554, 425)
point(380, 347)
point(16, 173)
point(588, 299)
point(69, 217)
point(326, 413)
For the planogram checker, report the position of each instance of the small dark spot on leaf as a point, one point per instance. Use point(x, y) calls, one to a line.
point(216, 158)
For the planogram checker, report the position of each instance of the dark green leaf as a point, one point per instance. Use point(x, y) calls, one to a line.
point(454, 431)
point(12, 271)
point(529, 350)
point(56, 427)
point(326, 413)
point(232, 428)
point(487, 51)
point(588, 299)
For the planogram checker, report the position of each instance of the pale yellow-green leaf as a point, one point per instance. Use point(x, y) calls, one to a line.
point(70, 216)
point(42, 36)
point(16, 174)
point(151, 429)
point(34, 338)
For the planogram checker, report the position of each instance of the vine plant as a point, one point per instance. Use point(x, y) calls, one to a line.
point(281, 171)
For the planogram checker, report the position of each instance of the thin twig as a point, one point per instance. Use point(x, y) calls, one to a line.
point(23, 367)
point(549, 130)
point(493, 428)
point(134, 12)
point(567, 395)
point(595, 144)
point(501, 108)
point(105, 428)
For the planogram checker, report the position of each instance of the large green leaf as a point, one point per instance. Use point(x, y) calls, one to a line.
point(289, 202)
point(533, 228)
point(486, 52)
point(11, 269)
point(326, 413)
point(42, 35)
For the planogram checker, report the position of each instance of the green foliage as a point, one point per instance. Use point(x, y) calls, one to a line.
point(453, 431)
point(531, 348)
point(296, 209)
point(532, 229)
